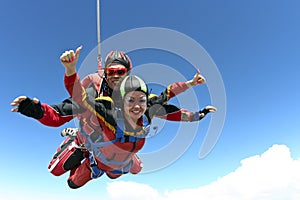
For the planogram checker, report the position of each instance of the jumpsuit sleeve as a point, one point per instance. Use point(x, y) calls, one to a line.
point(59, 114)
point(171, 91)
point(158, 106)
point(80, 96)
point(172, 113)
point(182, 115)
point(53, 118)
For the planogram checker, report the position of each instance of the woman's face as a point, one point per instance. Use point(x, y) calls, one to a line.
point(135, 104)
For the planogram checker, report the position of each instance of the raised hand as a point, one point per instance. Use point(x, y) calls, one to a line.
point(69, 60)
point(197, 79)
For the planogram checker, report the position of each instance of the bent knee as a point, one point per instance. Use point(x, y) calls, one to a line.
point(72, 185)
point(112, 175)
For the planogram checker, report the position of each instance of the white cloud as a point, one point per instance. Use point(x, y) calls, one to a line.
point(270, 176)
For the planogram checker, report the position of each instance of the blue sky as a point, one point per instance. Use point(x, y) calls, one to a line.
point(255, 46)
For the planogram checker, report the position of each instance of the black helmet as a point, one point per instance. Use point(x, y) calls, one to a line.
point(118, 57)
point(133, 83)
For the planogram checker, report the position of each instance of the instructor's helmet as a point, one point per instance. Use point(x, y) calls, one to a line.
point(120, 57)
point(133, 83)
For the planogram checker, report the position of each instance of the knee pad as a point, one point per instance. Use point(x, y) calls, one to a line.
point(72, 185)
point(80, 175)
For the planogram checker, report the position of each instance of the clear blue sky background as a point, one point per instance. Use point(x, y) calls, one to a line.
point(255, 45)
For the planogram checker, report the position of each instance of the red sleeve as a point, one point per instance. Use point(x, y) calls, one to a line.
point(181, 115)
point(175, 116)
point(52, 117)
point(78, 94)
point(70, 82)
point(175, 89)
point(75, 88)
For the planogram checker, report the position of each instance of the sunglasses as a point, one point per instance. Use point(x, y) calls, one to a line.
point(114, 71)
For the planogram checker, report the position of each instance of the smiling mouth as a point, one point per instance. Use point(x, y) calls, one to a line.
point(136, 112)
point(115, 79)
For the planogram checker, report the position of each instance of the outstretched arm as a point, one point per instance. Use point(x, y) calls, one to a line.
point(158, 104)
point(187, 116)
point(54, 116)
point(50, 115)
point(177, 88)
point(173, 113)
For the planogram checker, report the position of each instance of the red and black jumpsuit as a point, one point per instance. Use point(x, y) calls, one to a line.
point(114, 154)
point(57, 115)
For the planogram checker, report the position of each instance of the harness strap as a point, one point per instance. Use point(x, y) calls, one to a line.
point(93, 147)
point(123, 170)
point(106, 161)
point(96, 172)
point(120, 126)
point(130, 138)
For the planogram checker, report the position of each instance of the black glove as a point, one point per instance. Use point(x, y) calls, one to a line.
point(31, 109)
point(204, 111)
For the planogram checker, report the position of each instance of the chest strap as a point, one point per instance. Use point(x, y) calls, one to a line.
point(124, 136)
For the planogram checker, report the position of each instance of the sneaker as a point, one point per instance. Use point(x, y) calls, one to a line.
point(69, 132)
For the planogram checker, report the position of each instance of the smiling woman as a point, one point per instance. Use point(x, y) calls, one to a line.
point(134, 93)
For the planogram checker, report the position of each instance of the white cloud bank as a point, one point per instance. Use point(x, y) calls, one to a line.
point(274, 175)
